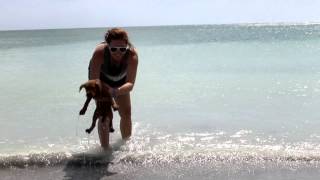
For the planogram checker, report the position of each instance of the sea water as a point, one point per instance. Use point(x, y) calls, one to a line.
point(206, 99)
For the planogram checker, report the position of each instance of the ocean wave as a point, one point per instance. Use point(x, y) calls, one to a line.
point(198, 158)
point(235, 156)
point(37, 159)
point(149, 147)
point(54, 159)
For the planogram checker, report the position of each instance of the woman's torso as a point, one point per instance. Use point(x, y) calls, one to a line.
point(114, 74)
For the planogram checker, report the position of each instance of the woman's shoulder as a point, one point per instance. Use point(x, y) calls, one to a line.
point(101, 47)
point(98, 53)
point(133, 52)
point(133, 55)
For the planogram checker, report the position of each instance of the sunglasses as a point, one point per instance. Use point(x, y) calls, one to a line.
point(121, 49)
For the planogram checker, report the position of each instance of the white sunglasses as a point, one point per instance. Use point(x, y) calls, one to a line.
point(122, 49)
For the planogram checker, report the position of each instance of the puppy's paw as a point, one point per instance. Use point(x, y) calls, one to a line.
point(115, 107)
point(88, 131)
point(82, 111)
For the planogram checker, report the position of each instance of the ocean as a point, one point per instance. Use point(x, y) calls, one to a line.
point(210, 102)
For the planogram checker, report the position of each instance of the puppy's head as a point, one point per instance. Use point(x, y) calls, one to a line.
point(93, 88)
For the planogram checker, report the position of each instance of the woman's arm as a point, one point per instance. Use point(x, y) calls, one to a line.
point(96, 62)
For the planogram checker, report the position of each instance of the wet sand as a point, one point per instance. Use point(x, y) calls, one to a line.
point(110, 171)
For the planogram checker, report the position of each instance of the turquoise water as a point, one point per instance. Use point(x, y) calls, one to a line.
point(204, 95)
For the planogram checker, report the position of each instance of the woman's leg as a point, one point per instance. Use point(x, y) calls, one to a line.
point(125, 114)
point(103, 131)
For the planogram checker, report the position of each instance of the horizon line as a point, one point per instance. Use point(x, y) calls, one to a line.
point(162, 25)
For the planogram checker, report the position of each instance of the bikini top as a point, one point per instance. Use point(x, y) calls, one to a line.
point(113, 74)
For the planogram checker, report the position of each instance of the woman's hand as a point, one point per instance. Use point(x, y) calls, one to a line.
point(112, 91)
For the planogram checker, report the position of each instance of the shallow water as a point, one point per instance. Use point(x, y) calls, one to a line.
point(204, 96)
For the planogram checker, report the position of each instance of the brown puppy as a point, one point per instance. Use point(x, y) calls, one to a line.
point(96, 90)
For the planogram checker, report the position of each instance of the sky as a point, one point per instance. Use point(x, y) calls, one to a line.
point(53, 14)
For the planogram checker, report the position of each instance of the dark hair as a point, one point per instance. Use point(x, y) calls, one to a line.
point(116, 34)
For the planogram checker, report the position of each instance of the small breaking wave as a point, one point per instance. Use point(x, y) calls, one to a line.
point(150, 148)
point(38, 159)
point(149, 159)
point(55, 159)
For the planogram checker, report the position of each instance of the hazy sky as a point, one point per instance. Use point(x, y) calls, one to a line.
point(39, 14)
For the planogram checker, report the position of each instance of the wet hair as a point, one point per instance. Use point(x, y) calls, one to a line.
point(116, 34)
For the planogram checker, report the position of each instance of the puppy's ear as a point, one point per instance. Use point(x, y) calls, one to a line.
point(82, 86)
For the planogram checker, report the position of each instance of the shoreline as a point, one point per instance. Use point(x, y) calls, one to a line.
point(115, 171)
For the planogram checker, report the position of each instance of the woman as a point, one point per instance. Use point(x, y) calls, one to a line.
point(115, 63)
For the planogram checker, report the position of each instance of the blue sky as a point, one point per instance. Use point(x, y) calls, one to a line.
point(47, 14)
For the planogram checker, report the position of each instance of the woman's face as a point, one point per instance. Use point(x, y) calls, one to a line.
point(117, 49)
